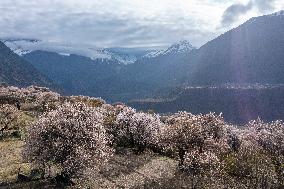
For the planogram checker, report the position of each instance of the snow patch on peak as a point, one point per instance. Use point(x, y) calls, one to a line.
point(180, 47)
point(177, 48)
point(20, 52)
point(121, 57)
point(16, 46)
point(153, 54)
point(128, 55)
point(64, 54)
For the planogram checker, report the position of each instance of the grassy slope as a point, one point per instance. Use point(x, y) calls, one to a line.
point(11, 161)
point(125, 170)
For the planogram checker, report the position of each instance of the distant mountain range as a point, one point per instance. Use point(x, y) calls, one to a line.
point(76, 74)
point(118, 54)
point(107, 78)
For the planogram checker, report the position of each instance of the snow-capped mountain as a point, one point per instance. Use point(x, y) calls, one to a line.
point(25, 46)
point(177, 48)
point(121, 55)
point(127, 55)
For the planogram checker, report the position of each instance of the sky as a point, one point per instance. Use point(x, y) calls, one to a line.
point(127, 23)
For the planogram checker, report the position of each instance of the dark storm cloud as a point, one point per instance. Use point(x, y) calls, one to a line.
point(233, 12)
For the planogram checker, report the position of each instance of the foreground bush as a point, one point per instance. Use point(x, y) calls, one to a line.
point(13, 121)
point(140, 130)
point(36, 99)
point(270, 138)
point(200, 143)
point(8, 117)
point(251, 167)
point(71, 139)
point(186, 132)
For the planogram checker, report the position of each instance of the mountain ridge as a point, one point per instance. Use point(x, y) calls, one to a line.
point(119, 54)
point(180, 47)
point(16, 71)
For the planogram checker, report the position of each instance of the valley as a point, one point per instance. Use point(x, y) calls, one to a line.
point(238, 104)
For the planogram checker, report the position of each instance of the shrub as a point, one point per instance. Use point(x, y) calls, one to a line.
point(89, 101)
point(145, 130)
point(8, 116)
point(71, 138)
point(270, 137)
point(140, 130)
point(38, 99)
point(251, 166)
point(203, 168)
point(200, 142)
point(118, 125)
point(187, 132)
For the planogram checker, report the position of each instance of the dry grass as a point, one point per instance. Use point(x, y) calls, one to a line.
point(11, 161)
point(148, 170)
point(125, 170)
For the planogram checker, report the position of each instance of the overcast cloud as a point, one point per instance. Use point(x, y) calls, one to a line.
point(108, 23)
point(233, 12)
